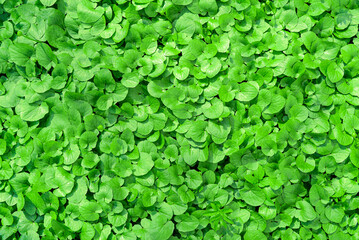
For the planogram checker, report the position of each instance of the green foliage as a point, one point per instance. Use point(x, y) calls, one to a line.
point(179, 119)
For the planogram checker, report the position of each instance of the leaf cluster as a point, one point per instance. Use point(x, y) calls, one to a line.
point(179, 119)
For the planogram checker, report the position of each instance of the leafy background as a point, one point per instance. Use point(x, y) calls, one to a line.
point(182, 119)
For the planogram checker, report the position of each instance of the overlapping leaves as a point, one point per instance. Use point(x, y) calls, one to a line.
point(182, 119)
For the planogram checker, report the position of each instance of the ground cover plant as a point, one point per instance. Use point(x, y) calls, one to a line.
point(179, 119)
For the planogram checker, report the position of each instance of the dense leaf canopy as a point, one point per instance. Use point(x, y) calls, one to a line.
point(179, 119)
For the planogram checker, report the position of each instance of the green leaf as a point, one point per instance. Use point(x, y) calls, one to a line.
point(130, 80)
point(59, 178)
point(226, 21)
point(104, 80)
point(187, 24)
point(181, 73)
point(269, 147)
point(31, 112)
point(60, 229)
point(211, 67)
point(20, 53)
point(334, 214)
point(188, 224)
point(247, 91)
point(2, 146)
point(7, 218)
point(149, 45)
point(254, 196)
point(118, 147)
point(20, 182)
point(342, 20)
point(52, 148)
point(118, 219)
point(48, 3)
point(306, 211)
point(104, 102)
point(304, 164)
point(208, 6)
point(71, 154)
point(334, 72)
point(276, 105)
point(37, 200)
point(219, 131)
point(87, 13)
point(317, 195)
point(90, 160)
point(144, 165)
point(45, 55)
point(255, 235)
point(93, 122)
point(299, 112)
point(182, 2)
point(160, 228)
point(87, 231)
point(185, 194)
point(215, 110)
point(194, 179)
point(197, 131)
point(354, 156)
point(89, 211)
point(88, 140)
point(225, 93)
